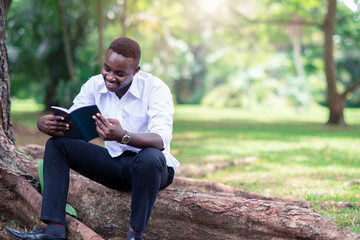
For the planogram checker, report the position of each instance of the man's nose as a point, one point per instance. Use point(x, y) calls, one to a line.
point(111, 75)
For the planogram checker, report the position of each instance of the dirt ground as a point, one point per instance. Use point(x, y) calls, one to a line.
point(25, 136)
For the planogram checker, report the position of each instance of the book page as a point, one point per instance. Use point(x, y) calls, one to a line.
point(60, 108)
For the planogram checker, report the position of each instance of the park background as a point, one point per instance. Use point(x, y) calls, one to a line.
point(249, 80)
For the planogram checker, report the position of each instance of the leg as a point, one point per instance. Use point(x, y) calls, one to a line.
point(88, 159)
point(150, 175)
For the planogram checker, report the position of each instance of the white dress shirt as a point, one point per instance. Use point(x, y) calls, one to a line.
point(147, 107)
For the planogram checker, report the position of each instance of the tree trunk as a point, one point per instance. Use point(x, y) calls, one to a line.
point(123, 18)
point(335, 101)
point(66, 42)
point(4, 77)
point(295, 35)
point(7, 5)
point(101, 53)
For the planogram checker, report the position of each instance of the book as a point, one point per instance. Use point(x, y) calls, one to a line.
point(82, 126)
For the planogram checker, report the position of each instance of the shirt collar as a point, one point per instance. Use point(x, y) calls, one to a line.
point(134, 88)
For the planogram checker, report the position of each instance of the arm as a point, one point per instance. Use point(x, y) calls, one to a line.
point(111, 130)
point(52, 125)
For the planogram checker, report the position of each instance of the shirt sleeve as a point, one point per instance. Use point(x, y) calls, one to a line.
point(161, 111)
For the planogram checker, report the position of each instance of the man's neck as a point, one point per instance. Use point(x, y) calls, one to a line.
point(122, 91)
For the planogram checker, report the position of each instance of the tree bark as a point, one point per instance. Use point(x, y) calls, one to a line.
point(4, 76)
point(7, 5)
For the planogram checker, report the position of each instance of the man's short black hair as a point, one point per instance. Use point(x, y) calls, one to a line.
point(127, 48)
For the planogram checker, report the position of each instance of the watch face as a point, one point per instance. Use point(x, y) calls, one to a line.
point(126, 138)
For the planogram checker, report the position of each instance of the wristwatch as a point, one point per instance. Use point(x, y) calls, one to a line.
point(126, 138)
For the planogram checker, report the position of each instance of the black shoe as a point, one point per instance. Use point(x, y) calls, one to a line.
point(34, 235)
point(133, 236)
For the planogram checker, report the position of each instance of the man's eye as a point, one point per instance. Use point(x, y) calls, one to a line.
point(106, 68)
point(121, 74)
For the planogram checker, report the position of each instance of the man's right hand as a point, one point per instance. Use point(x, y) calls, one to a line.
point(52, 125)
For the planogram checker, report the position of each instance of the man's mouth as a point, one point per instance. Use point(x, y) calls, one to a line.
point(111, 84)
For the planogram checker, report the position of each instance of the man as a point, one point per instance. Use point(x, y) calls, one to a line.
point(135, 122)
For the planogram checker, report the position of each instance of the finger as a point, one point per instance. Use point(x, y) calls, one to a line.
point(58, 118)
point(58, 128)
point(103, 120)
point(100, 132)
point(58, 124)
point(98, 122)
point(113, 121)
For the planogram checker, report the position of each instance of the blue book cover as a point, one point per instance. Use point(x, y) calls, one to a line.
point(82, 126)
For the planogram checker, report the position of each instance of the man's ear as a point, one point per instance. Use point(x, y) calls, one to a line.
point(136, 70)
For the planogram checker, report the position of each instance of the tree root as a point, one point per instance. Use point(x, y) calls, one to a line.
point(219, 188)
point(77, 229)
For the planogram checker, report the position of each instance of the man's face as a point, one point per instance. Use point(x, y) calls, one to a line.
point(118, 71)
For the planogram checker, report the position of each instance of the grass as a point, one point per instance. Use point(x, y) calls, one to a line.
point(26, 111)
point(297, 155)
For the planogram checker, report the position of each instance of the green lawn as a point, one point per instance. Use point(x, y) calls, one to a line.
point(297, 155)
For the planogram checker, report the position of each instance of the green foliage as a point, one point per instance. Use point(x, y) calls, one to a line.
point(66, 92)
point(41, 178)
point(36, 51)
point(347, 45)
point(223, 96)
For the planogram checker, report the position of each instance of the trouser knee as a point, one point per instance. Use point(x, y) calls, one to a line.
point(149, 159)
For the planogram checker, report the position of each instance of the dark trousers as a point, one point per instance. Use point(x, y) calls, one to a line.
point(144, 173)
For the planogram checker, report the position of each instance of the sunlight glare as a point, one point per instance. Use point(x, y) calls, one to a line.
point(351, 5)
point(211, 6)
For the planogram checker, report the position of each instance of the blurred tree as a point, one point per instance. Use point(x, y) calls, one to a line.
point(66, 41)
point(335, 100)
point(36, 31)
point(100, 13)
point(347, 51)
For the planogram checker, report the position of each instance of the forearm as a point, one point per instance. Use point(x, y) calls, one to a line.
point(145, 140)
